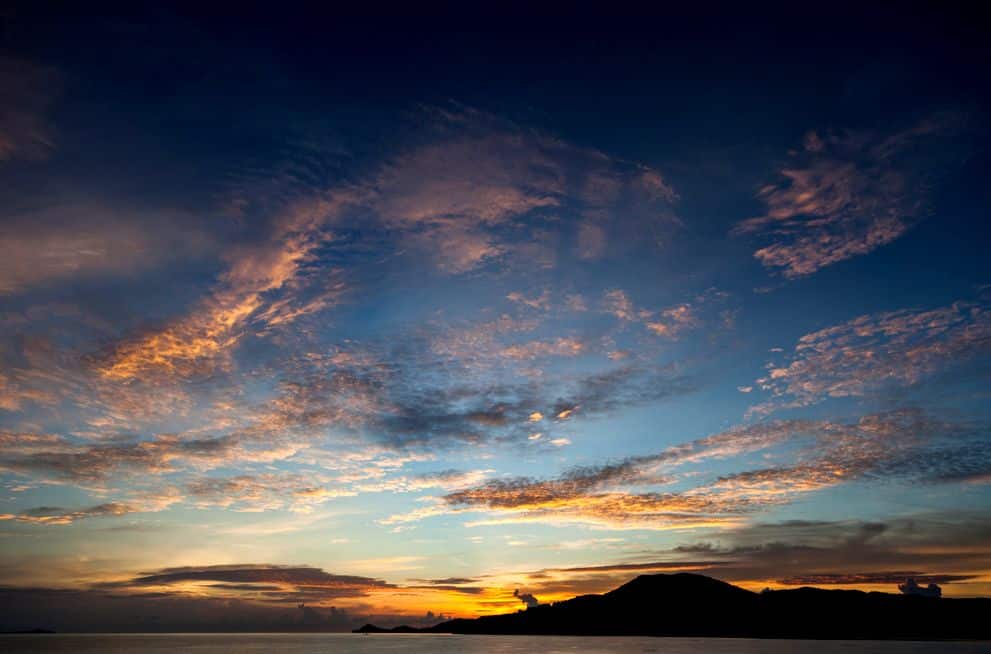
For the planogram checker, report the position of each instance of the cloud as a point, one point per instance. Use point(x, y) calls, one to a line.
point(562, 347)
point(461, 196)
point(948, 548)
point(670, 322)
point(540, 302)
point(262, 285)
point(57, 457)
point(138, 502)
point(215, 609)
point(404, 395)
point(591, 493)
point(80, 241)
point(300, 577)
point(480, 175)
point(489, 173)
point(898, 446)
point(444, 479)
point(526, 598)
point(861, 578)
point(618, 303)
point(592, 240)
point(630, 385)
point(447, 581)
point(846, 194)
point(877, 351)
point(54, 515)
point(911, 587)
point(673, 321)
point(29, 92)
point(263, 492)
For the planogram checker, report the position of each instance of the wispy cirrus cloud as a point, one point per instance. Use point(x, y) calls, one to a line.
point(43, 246)
point(29, 92)
point(442, 479)
point(264, 492)
point(461, 197)
point(845, 194)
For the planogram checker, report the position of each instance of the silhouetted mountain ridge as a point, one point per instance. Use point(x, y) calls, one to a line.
point(686, 604)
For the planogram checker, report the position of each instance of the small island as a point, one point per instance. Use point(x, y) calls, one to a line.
point(686, 604)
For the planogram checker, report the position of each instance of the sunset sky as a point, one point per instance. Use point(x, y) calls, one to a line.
point(405, 315)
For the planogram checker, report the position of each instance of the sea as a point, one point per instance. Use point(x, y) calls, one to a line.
point(445, 644)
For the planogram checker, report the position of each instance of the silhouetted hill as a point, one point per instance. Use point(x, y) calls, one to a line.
point(695, 605)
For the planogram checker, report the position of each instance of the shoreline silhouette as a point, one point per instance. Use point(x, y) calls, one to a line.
point(686, 604)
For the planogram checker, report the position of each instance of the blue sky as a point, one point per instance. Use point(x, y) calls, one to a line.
point(392, 317)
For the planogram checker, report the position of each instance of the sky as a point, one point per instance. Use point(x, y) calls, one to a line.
point(310, 320)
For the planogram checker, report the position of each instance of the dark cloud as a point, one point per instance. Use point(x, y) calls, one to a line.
point(526, 598)
point(885, 578)
point(409, 396)
point(608, 391)
point(656, 566)
point(946, 548)
point(467, 590)
point(912, 587)
point(329, 585)
point(246, 587)
point(898, 446)
point(100, 611)
point(966, 462)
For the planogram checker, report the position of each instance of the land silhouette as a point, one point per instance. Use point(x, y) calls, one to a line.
point(695, 605)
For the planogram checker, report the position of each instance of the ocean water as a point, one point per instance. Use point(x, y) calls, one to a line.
point(442, 644)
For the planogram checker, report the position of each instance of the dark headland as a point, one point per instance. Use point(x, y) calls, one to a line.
point(695, 605)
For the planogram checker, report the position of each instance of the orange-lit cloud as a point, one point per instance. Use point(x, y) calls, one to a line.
point(248, 291)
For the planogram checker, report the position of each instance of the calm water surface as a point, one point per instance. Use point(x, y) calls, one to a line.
point(435, 644)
